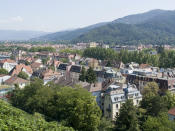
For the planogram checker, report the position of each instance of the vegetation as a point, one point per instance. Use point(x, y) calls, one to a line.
point(13, 119)
point(127, 120)
point(3, 71)
point(10, 48)
point(23, 75)
point(71, 51)
point(74, 107)
point(40, 49)
point(64, 60)
point(151, 115)
point(165, 58)
point(88, 76)
point(155, 30)
point(82, 76)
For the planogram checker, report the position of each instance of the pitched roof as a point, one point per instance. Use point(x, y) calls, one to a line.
point(36, 65)
point(172, 111)
point(7, 60)
point(48, 73)
point(144, 66)
point(15, 80)
point(75, 68)
point(62, 66)
point(94, 87)
point(18, 68)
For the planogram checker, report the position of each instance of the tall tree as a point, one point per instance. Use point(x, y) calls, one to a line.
point(90, 76)
point(127, 119)
point(82, 76)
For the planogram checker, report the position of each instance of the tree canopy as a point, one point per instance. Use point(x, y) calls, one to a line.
point(3, 71)
point(74, 107)
point(23, 75)
point(13, 119)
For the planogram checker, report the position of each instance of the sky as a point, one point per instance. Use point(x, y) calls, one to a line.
point(57, 15)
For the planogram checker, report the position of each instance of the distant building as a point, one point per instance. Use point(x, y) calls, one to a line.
point(92, 45)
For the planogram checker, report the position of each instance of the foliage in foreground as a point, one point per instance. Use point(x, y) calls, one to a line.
point(76, 108)
point(13, 119)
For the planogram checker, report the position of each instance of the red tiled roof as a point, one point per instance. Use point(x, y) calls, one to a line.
point(18, 69)
point(172, 111)
point(15, 80)
point(7, 60)
point(144, 66)
point(36, 65)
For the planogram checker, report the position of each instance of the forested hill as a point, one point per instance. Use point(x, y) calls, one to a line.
point(156, 30)
point(153, 27)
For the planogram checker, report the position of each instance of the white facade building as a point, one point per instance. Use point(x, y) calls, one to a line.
point(115, 96)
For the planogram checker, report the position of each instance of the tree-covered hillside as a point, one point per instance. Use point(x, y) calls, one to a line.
point(157, 30)
point(13, 119)
point(153, 27)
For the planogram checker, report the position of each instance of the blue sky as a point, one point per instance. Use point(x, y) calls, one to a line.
point(56, 15)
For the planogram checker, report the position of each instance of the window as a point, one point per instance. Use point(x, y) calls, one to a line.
point(116, 113)
point(137, 101)
point(117, 106)
point(116, 98)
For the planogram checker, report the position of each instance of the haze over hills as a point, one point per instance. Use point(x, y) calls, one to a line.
point(69, 35)
point(153, 27)
point(19, 35)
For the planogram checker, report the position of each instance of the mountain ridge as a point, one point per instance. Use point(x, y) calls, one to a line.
point(140, 20)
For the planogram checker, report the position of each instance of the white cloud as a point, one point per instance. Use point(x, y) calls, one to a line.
point(16, 19)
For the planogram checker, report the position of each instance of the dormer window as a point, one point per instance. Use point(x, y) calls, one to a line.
point(116, 98)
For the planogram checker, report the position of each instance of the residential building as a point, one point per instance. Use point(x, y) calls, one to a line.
point(3, 78)
point(171, 114)
point(16, 80)
point(7, 64)
point(21, 67)
point(116, 95)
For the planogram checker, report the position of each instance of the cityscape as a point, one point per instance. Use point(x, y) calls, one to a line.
point(117, 75)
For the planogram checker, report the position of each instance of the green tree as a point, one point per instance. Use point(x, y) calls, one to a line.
point(90, 75)
point(160, 123)
point(151, 88)
point(82, 76)
point(23, 75)
point(45, 60)
point(127, 119)
point(105, 125)
point(74, 107)
point(13, 119)
point(3, 71)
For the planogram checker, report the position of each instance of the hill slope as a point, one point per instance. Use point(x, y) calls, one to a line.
point(68, 35)
point(138, 28)
point(13, 119)
point(155, 30)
